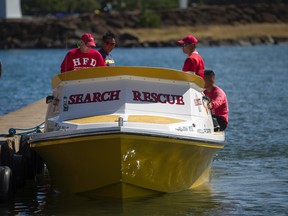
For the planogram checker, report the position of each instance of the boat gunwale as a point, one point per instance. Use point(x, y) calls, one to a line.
point(118, 131)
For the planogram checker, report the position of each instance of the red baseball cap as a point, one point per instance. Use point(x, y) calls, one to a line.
point(88, 39)
point(188, 39)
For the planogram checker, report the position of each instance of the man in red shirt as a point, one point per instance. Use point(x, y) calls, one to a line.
point(82, 57)
point(194, 62)
point(218, 101)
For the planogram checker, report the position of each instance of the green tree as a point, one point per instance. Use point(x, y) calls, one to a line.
point(42, 7)
point(144, 4)
point(150, 19)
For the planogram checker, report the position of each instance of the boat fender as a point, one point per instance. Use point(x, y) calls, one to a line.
point(5, 183)
point(33, 162)
point(18, 171)
point(5, 153)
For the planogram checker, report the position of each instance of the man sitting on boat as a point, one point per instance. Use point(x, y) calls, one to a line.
point(218, 101)
point(84, 56)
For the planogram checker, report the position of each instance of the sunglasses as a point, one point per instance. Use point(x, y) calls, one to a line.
point(186, 44)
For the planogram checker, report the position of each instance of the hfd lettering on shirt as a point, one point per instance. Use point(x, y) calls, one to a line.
point(90, 62)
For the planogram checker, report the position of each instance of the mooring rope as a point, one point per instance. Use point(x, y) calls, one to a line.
point(13, 131)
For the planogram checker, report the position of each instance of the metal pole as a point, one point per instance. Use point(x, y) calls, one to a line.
point(183, 4)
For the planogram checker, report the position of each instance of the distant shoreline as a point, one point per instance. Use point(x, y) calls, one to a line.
point(210, 35)
point(214, 35)
point(240, 25)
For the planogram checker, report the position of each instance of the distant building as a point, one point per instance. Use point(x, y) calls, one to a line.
point(183, 4)
point(10, 9)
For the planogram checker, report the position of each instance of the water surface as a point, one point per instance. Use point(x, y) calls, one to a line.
point(249, 176)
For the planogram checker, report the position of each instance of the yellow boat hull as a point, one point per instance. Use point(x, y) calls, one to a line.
point(125, 165)
point(127, 132)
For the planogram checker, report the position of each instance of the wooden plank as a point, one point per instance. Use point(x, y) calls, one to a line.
point(26, 117)
point(95, 119)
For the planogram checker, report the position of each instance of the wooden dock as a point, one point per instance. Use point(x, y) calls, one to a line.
point(18, 162)
point(26, 117)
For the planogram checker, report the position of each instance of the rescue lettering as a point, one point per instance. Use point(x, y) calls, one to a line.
point(157, 98)
point(94, 97)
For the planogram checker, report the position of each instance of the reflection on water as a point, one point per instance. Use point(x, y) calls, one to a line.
point(42, 199)
point(29, 200)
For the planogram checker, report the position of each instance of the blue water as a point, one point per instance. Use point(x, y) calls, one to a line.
point(249, 176)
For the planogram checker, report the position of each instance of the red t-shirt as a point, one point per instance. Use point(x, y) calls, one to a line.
point(219, 102)
point(194, 63)
point(75, 59)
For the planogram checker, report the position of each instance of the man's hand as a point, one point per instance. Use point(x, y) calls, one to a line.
point(210, 105)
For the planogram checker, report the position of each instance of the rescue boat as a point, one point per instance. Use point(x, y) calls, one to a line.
point(127, 132)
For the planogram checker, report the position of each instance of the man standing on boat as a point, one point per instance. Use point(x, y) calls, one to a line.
point(108, 44)
point(218, 101)
point(84, 56)
point(194, 62)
